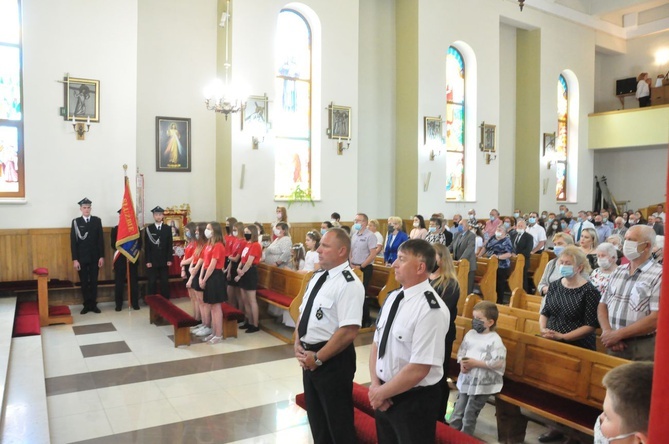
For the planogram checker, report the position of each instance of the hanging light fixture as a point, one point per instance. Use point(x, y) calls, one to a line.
point(521, 3)
point(220, 96)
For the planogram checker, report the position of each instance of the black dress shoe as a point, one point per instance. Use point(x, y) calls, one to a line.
point(84, 310)
point(118, 309)
point(135, 307)
point(550, 436)
point(252, 329)
point(245, 326)
point(96, 310)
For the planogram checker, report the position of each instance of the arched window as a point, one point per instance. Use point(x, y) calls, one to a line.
point(455, 125)
point(562, 139)
point(11, 101)
point(292, 121)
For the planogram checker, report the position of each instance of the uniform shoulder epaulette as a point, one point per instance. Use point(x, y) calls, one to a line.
point(431, 299)
point(348, 275)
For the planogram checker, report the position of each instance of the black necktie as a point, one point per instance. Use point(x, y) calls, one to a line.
point(389, 324)
point(304, 320)
point(86, 219)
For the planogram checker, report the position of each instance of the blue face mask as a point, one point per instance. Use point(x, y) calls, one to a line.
point(188, 235)
point(432, 229)
point(566, 270)
point(563, 225)
point(323, 231)
point(492, 217)
point(558, 249)
point(516, 214)
point(357, 227)
point(532, 220)
point(507, 225)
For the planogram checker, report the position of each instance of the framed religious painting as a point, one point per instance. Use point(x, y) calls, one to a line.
point(432, 130)
point(173, 149)
point(339, 122)
point(488, 138)
point(82, 100)
point(549, 144)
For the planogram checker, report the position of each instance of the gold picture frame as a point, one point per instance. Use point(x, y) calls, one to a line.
point(488, 138)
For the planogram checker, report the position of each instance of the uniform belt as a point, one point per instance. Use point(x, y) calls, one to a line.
point(313, 347)
point(639, 338)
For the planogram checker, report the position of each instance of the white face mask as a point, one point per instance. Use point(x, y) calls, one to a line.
point(603, 262)
point(416, 224)
point(234, 233)
point(630, 249)
point(277, 232)
point(499, 234)
point(278, 216)
point(599, 436)
point(520, 231)
point(208, 233)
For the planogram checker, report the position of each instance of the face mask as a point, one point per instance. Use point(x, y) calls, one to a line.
point(478, 325)
point(555, 227)
point(566, 270)
point(563, 225)
point(516, 214)
point(265, 244)
point(507, 225)
point(561, 211)
point(532, 220)
point(208, 233)
point(332, 221)
point(520, 231)
point(391, 228)
point(197, 235)
point(603, 262)
point(492, 217)
point(598, 224)
point(558, 249)
point(472, 215)
point(579, 219)
point(323, 231)
point(551, 219)
point(416, 224)
point(599, 436)
point(247, 236)
point(357, 227)
point(590, 218)
point(188, 235)
point(544, 216)
point(498, 234)
point(277, 232)
point(432, 229)
point(234, 233)
point(227, 230)
point(278, 216)
point(630, 249)
point(632, 221)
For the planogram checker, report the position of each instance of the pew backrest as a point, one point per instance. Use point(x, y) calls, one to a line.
point(486, 273)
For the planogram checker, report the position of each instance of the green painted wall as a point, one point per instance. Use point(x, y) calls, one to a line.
point(528, 114)
point(627, 128)
point(406, 159)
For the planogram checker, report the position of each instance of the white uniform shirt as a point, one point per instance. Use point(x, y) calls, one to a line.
point(538, 234)
point(339, 303)
point(417, 334)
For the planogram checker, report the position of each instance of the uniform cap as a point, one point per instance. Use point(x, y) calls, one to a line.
point(84, 201)
point(158, 209)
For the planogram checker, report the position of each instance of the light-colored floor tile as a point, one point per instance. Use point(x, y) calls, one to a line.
point(187, 385)
point(128, 394)
point(293, 384)
point(74, 403)
point(106, 362)
point(67, 429)
point(200, 405)
point(236, 376)
point(267, 392)
point(141, 416)
point(281, 369)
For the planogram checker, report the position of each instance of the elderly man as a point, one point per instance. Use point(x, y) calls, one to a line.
point(407, 356)
point(603, 230)
point(606, 220)
point(629, 307)
point(456, 228)
point(363, 252)
point(619, 227)
point(329, 322)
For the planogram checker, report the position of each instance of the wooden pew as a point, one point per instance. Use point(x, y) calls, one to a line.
point(462, 270)
point(538, 264)
point(379, 279)
point(520, 299)
point(282, 288)
point(554, 380)
point(390, 285)
point(516, 275)
point(486, 277)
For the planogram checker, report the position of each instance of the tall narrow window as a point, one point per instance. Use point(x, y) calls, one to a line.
point(292, 123)
point(455, 125)
point(561, 141)
point(11, 101)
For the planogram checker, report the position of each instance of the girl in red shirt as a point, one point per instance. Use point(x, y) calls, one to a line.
point(194, 281)
point(234, 295)
point(212, 280)
point(189, 233)
point(247, 276)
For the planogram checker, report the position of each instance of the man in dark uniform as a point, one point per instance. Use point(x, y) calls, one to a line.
point(88, 253)
point(407, 356)
point(121, 265)
point(330, 317)
point(158, 253)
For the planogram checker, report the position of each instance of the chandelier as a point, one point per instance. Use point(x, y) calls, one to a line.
point(220, 96)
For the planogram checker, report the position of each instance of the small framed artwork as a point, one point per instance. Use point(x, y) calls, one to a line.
point(549, 144)
point(433, 130)
point(176, 227)
point(488, 138)
point(339, 122)
point(176, 218)
point(256, 112)
point(173, 150)
point(82, 99)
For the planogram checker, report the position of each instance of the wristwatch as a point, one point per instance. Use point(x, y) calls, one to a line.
point(317, 361)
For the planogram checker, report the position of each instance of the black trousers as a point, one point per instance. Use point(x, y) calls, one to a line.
point(412, 419)
point(502, 283)
point(644, 101)
point(153, 274)
point(88, 275)
point(443, 384)
point(328, 392)
point(366, 278)
point(121, 265)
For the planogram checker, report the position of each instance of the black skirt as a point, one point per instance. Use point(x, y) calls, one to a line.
point(215, 290)
point(233, 274)
point(186, 269)
point(249, 280)
point(195, 284)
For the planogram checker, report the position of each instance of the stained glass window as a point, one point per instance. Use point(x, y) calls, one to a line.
point(455, 125)
point(11, 100)
point(292, 118)
point(561, 141)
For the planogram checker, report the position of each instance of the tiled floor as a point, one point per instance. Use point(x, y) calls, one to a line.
point(114, 377)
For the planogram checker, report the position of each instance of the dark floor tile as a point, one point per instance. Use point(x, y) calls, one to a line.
point(107, 348)
point(93, 328)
